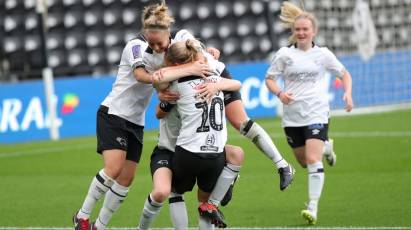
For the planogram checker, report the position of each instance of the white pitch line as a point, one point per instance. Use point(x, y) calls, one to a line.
point(233, 228)
point(234, 136)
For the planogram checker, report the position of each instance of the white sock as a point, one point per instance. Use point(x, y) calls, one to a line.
point(112, 202)
point(315, 184)
point(224, 181)
point(204, 223)
point(100, 184)
point(178, 211)
point(262, 140)
point(328, 147)
point(150, 211)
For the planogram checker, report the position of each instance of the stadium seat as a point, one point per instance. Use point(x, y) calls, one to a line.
point(131, 17)
point(226, 29)
point(187, 11)
point(245, 26)
point(257, 7)
point(231, 45)
point(57, 58)
point(31, 22)
point(29, 4)
point(249, 44)
point(240, 7)
point(55, 19)
point(204, 10)
point(260, 26)
point(113, 55)
point(111, 17)
point(93, 17)
point(113, 38)
point(32, 42)
point(72, 19)
point(94, 38)
point(209, 29)
point(265, 44)
point(74, 39)
point(96, 56)
point(223, 9)
point(12, 44)
point(76, 57)
point(12, 22)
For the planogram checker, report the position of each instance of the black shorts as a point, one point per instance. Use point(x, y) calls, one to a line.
point(160, 158)
point(114, 132)
point(189, 167)
point(296, 136)
point(230, 96)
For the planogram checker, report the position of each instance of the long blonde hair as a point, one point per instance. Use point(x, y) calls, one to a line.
point(156, 17)
point(183, 52)
point(290, 13)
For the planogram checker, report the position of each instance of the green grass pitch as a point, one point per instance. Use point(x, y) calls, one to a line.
point(43, 183)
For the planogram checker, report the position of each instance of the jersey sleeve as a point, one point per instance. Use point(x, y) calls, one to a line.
point(277, 65)
point(133, 53)
point(332, 64)
point(183, 35)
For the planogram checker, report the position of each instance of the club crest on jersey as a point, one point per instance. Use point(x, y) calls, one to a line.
point(136, 51)
point(209, 144)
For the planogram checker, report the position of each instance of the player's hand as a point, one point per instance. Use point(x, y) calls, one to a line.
point(169, 96)
point(202, 69)
point(286, 98)
point(157, 77)
point(206, 91)
point(349, 104)
point(213, 51)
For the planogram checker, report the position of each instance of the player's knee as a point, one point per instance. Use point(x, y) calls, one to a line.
point(160, 195)
point(234, 155)
point(113, 171)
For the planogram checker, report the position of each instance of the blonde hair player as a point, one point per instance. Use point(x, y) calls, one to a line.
point(157, 23)
point(156, 20)
point(303, 67)
point(201, 144)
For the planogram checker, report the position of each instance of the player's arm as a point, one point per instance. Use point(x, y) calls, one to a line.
point(347, 97)
point(141, 75)
point(285, 97)
point(162, 109)
point(207, 90)
point(171, 73)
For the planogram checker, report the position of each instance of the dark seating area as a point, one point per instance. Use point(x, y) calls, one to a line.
point(86, 37)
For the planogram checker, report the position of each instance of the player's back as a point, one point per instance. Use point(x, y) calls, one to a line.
point(203, 128)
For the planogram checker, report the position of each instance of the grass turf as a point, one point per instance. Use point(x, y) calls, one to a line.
point(43, 183)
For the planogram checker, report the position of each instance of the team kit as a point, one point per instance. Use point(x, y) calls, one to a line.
point(198, 96)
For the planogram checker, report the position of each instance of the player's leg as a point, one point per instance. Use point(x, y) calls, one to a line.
point(329, 153)
point(101, 183)
point(237, 116)
point(224, 187)
point(210, 170)
point(313, 149)
point(118, 192)
point(116, 195)
point(161, 172)
point(178, 211)
point(185, 167)
point(112, 143)
point(328, 150)
point(204, 223)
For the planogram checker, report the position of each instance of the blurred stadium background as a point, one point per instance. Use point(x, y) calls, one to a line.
point(84, 40)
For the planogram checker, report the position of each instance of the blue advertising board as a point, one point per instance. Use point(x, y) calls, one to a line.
point(23, 109)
